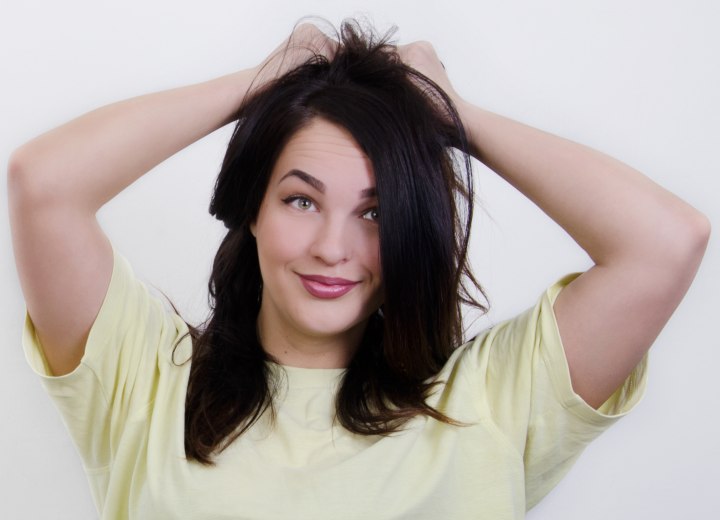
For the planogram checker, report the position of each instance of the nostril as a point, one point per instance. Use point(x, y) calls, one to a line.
point(331, 246)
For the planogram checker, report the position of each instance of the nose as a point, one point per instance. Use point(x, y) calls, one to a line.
point(332, 242)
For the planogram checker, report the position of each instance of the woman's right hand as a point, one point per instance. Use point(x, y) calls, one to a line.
point(305, 42)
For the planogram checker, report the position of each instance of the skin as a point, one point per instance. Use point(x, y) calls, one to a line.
point(58, 181)
point(645, 242)
point(327, 229)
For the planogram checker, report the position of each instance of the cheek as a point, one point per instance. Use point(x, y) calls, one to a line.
point(371, 255)
point(279, 240)
point(272, 252)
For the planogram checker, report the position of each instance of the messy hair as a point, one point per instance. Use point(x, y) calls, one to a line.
point(413, 136)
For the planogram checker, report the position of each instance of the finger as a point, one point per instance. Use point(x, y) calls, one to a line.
point(308, 37)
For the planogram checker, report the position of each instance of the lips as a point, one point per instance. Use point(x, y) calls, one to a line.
point(326, 287)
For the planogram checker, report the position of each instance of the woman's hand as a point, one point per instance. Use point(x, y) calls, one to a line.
point(305, 42)
point(422, 57)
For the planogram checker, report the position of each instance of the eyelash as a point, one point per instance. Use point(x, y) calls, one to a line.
point(374, 218)
point(294, 199)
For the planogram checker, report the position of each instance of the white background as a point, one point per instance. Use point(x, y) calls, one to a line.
point(639, 80)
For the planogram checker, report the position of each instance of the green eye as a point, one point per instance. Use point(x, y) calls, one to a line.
point(303, 204)
point(300, 202)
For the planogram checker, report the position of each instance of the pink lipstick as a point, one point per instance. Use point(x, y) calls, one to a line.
point(326, 287)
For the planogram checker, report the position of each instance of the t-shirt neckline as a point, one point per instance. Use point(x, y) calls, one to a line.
point(300, 377)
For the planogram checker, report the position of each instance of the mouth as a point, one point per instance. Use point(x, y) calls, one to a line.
point(326, 287)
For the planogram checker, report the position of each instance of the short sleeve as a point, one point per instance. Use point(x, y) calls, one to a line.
point(129, 346)
point(524, 386)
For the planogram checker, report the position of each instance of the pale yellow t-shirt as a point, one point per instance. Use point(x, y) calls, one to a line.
point(124, 407)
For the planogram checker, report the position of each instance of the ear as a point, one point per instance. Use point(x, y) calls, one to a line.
point(253, 226)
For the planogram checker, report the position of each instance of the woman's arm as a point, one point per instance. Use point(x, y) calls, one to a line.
point(58, 181)
point(646, 243)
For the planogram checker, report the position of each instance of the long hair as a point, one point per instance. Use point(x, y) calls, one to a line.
point(408, 128)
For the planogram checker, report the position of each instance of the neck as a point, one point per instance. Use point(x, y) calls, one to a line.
point(298, 349)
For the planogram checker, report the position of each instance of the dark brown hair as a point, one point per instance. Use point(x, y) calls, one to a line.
point(408, 128)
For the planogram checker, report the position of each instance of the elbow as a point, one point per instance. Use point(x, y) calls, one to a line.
point(20, 183)
point(15, 167)
point(27, 186)
point(690, 239)
point(700, 235)
point(17, 176)
point(671, 245)
point(672, 259)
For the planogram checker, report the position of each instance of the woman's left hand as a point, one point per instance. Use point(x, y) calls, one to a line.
point(421, 56)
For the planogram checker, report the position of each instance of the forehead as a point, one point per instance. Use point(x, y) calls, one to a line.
point(324, 149)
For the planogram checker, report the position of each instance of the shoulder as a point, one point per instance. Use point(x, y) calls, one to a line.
point(134, 332)
point(518, 369)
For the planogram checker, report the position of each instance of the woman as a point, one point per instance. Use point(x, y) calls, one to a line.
point(326, 383)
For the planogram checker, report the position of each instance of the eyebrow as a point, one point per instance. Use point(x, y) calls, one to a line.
point(307, 178)
point(320, 185)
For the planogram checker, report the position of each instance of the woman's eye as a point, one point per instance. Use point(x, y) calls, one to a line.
point(299, 202)
point(371, 214)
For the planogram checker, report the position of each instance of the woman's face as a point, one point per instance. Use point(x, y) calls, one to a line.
point(318, 242)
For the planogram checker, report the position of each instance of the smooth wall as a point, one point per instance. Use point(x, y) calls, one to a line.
point(638, 80)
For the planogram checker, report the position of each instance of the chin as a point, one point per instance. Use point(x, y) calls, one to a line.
point(327, 326)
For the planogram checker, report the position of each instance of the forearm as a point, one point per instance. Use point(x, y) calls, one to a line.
point(89, 160)
point(646, 243)
point(613, 212)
